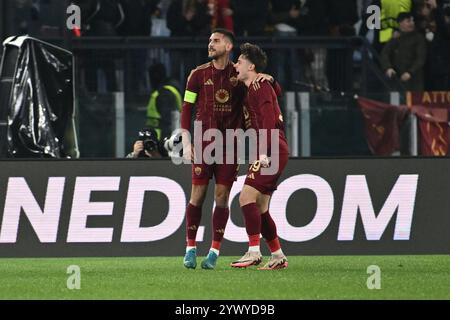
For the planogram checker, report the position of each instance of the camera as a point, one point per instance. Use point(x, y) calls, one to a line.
point(150, 139)
point(170, 145)
point(167, 147)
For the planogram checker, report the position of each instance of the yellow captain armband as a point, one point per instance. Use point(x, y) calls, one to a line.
point(190, 97)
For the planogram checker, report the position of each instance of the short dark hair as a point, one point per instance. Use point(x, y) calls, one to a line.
point(227, 33)
point(157, 74)
point(403, 16)
point(255, 55)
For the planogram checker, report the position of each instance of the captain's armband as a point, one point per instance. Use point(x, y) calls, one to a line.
point(190, 97)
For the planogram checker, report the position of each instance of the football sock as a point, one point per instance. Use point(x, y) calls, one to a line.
point(252, 225)
point(193, 217)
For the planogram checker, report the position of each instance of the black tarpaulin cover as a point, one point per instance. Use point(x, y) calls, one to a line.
point(41, 105)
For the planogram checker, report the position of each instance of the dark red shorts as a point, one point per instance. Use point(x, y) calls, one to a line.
point(266, 184)
point(225, 174)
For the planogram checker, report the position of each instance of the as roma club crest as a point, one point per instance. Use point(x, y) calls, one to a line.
point(198, 171)
point(222, 96)
point(234, 81)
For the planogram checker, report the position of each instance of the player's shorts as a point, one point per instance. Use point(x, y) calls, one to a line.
point(266, 184)
point(225, 174)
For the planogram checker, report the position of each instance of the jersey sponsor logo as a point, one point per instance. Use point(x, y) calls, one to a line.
point(234, 81)
point(222, 96)
point(223, 108)
point(209, 83)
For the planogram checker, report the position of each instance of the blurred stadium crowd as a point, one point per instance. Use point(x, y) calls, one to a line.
point(254, 18)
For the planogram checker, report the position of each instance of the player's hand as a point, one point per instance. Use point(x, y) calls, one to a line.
point(138, 147)
point(264, 160)
point(261, 77)
point(188, 152)
point(406, 77)
point(390, 73)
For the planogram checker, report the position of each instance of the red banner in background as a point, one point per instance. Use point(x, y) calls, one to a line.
point(382, 123)
point(432, 109)
point(435, 99)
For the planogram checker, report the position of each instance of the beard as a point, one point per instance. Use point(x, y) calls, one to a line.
point(214, 55)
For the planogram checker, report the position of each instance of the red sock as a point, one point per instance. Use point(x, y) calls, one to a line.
point(268, 227)
point(252, 222)
point(193, 217)
point(220, 219)
point(274, 245)
point(269, 232)
point(253, 240)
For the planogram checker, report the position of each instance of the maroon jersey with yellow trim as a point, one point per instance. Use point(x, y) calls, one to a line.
point(262, 111)
point(217, 96)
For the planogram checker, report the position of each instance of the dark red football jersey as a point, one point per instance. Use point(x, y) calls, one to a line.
point(262, 111)
point(217, 96)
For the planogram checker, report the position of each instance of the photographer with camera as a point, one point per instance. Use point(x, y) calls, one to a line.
point(148, 146)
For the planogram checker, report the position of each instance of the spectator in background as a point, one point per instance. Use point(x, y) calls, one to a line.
point(137, 23)
point(100, 18)
point(25, 17)
point(438, 77)
point(390, 9)
point(189, 18)
point(283, 15)
point(250, 17)
point(286, 65)
point(138, 17)
point(307, 17)
point(404, 56)
point(312, 19)
point(422, 17)
point(165, 99)
point(301, 18)
point(222, 14)
point(342, 15)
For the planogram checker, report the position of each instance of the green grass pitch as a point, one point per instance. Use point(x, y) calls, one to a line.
point(325, 277)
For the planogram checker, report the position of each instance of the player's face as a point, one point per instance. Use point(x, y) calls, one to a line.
point(242, 67)
point(218, 46)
